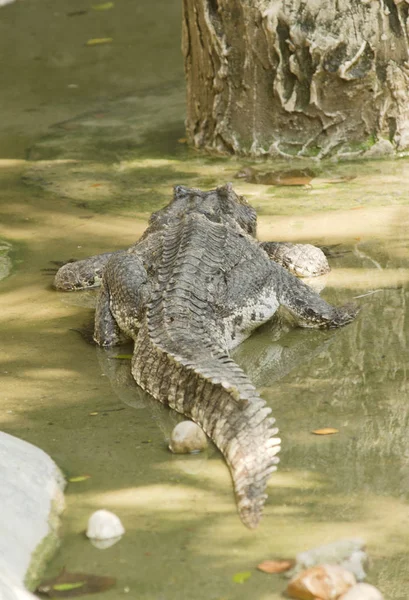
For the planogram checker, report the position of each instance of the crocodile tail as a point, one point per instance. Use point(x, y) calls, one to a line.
point(214, 392)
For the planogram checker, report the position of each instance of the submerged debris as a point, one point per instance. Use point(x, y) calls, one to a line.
point(72, 585)
point(187, 437)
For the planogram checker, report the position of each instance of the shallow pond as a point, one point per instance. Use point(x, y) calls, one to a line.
point(91, 142)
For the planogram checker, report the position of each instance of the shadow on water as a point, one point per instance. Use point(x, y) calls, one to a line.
point(102, 129)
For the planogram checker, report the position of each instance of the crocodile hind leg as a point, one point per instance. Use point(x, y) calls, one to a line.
point(82, 274)
point(308, 308)
point(302, 260)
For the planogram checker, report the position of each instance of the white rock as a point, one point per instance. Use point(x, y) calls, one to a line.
point(362, 591)
point(187, 437)
point(348, 553)
point(104, 525)
point(30, 499)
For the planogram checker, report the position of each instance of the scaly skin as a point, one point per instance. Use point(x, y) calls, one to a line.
point(191, 289)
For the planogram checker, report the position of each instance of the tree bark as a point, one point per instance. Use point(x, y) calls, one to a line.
point(297, 77)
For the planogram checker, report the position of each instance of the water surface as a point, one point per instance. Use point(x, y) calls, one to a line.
point(81, 168)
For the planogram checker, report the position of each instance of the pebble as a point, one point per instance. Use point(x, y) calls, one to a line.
point(187, 437)
point(104, 525)
point(362, 591)
point(348, 553)
point(325, 582)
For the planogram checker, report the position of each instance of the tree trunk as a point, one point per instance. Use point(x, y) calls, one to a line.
point(297, 77)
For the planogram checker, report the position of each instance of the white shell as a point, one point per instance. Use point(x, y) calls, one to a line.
point(362, 591)
point(104, 525)
point(187, 437)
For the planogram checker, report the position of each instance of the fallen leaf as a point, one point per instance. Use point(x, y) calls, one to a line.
point(93, 414)
point(77, 13)
point(275, 566)
point(71, 585)
point(182, 140)
point(241, 577)
point(325, 431)
point(123, 356)
point(104, 6)
point(96, 185)
point(99, 41)
point(78, 478)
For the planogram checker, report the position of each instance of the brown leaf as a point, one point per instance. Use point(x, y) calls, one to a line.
point(276, 566)
point(325, 431)
point(71, 585)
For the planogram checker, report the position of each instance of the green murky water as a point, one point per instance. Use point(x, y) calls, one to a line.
point(89, 146)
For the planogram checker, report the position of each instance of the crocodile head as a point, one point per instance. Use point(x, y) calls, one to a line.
point(219, 205)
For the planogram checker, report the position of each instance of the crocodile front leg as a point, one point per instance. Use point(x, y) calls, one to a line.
point(121, 300)
point(82, 274)
point(302, 260)
point(308, 308)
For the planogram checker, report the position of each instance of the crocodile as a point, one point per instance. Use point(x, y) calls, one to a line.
point(194, 286)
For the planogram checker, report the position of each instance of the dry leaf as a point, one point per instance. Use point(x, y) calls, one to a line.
point(182, 140)
point(93, 414)
point(71, 585)
point(275, 566)
point(325, 431)
point(99, 41)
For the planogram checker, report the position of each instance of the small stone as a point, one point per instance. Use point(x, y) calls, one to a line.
point(325, 582)
point(381, 149)
point(104, 525)
point(362, 591)
point(348, 553)
point(187, 437)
